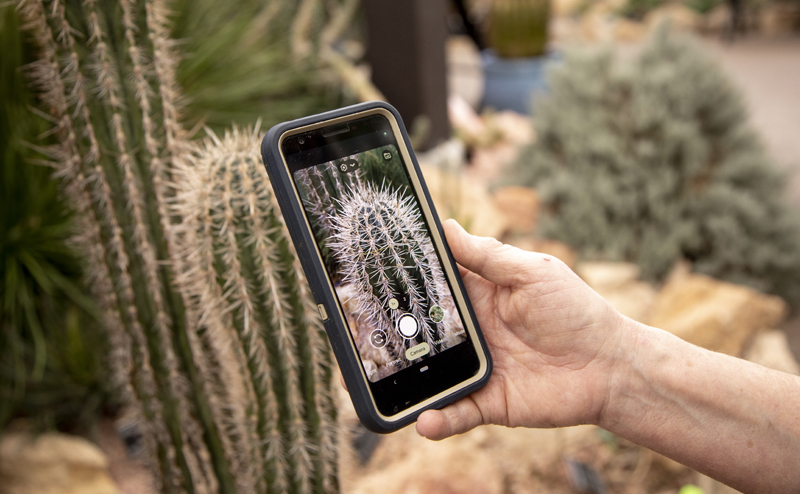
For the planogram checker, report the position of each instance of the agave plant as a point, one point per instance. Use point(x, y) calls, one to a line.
point(50, 348)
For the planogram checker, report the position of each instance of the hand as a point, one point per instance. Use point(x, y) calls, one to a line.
point(554, 341)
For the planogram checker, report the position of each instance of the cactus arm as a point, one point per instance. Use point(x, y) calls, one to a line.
point(324, 407)
point(198, 282)
point(47, 74)
point(274, 301)
point(187, 435)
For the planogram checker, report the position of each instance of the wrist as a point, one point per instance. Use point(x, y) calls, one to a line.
point(624, 376)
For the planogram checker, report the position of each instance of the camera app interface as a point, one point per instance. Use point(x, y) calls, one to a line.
point(377, 249)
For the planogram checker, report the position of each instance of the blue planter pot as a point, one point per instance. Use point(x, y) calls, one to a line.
point(513, 83)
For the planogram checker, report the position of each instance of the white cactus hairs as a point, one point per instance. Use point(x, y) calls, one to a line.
point(381, 245)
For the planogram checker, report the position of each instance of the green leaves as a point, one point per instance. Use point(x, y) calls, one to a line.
point(49, 346)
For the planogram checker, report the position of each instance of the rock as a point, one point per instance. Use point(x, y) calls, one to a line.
point(465, 121)
point(718, 20)
point(619, 283)
point(513, 127)
point(608, 275)
point(771, 349)
point(629, 31)
point(122, 444)
point(463, 198)
point(465, 77)
point(520, 206)
point(566, 7)
point(779, 18)
point(714, 314)
point(53, 463)
point(483, 460)
point(597, 24)
point(678, 15)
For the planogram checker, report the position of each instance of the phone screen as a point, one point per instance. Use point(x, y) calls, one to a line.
point(377, 249)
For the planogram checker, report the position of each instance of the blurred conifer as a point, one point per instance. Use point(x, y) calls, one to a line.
point(653, 160)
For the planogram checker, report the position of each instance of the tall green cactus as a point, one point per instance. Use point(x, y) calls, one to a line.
point(214, 343)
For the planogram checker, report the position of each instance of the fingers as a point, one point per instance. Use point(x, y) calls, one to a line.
point(460, 417)
point(499, 263)
point(344, 384)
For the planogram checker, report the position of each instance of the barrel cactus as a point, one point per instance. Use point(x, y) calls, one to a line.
point(384, 252)
point(215, 345)
point(376, 245)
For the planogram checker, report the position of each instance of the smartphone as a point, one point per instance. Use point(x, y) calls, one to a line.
point(367, 235)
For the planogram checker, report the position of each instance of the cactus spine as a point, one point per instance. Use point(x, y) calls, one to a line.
point(215, 347)
point(382, 248)
point(244, 277)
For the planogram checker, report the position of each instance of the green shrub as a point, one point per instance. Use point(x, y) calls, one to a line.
point(653, 160)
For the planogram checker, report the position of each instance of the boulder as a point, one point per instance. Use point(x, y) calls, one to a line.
point(520, 206)
point(467, 124)
point(629, 31)
point(463, 198)
point(52, 463)
point(678, 15)
point(718, 20)
point(771, 349)
point(713, 314)
point(513, 128)
point(566, 7)
point(619, 283)
point(486, 460)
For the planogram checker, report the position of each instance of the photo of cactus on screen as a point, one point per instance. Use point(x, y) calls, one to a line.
point(378, 252)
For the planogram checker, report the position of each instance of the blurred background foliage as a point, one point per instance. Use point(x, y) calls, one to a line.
point(638, 9)
point(250, 59)
point(653, 160)
point(51, 367)
point(242, 61)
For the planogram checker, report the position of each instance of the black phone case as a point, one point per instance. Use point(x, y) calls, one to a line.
point(303, 239)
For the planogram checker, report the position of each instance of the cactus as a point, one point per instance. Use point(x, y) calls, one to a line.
point(215, 351)
point(244, 284)
point(519, 28)
point(382, 248)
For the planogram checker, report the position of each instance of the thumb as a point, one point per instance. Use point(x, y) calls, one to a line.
point(460, 417)
point(499, 263)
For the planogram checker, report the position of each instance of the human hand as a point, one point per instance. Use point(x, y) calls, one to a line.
point(554, 341)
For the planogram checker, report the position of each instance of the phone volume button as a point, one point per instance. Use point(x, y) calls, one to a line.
point(322, 312)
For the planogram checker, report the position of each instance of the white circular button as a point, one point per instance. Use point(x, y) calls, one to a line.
point(408, 326)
